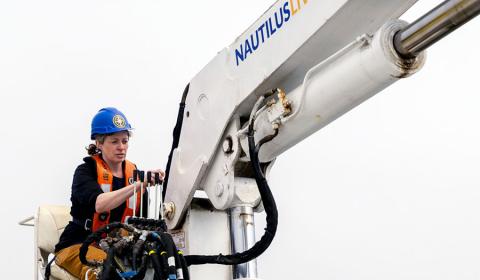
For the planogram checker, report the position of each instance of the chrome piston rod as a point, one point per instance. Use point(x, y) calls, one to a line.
point(434, 25)
point(242, 235)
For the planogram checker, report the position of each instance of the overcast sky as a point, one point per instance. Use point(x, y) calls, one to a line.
point(388, 191)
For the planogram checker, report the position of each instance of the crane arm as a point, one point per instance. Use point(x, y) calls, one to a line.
point(321, 60)
point(275, 52)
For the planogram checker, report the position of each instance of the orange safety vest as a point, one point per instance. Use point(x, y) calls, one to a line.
point(105, 180)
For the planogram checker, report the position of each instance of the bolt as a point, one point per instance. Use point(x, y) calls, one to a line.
point(169, 210)
point(219, 188)
point(228, 145)
point(225, 169)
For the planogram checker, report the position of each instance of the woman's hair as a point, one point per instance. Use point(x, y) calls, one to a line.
point(92, 149)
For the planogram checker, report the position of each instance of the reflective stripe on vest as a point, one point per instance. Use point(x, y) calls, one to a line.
point(105, 181)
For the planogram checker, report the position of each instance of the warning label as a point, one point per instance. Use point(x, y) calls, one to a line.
point(179, 239)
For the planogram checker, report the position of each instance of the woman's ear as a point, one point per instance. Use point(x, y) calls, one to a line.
point(98, 144)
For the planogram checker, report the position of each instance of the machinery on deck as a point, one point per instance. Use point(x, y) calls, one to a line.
point(300, 66)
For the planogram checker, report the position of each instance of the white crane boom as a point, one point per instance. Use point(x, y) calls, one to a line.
point(322, 59)
point(275, 52)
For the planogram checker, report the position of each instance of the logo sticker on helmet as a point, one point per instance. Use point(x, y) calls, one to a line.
point(119, 121)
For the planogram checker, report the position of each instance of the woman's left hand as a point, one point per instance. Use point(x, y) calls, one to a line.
point(160, 172)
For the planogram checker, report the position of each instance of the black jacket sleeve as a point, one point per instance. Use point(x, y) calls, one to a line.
point(85, 190)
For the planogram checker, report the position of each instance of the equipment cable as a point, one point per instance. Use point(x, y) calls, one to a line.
point(176, 138)
point(268, 204)
point(96, 236)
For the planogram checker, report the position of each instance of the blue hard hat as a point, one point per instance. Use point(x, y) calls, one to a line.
point(109, 120)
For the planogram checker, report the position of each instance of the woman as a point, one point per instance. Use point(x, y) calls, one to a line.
point(102, 190)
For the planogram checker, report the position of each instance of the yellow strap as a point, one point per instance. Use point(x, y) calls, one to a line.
point(151, 252)
point(180, 252)
point(163, 253)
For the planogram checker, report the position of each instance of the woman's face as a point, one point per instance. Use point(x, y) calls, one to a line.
point(114, 148)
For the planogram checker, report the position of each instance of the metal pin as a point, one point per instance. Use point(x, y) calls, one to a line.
point(161, 202)
point(157, 182)
point(135, 175)
point(149, 179)
point(142, 177)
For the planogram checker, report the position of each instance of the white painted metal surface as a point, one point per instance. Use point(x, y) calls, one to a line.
point(337, 85)
point(206, 232)
point(227, 87)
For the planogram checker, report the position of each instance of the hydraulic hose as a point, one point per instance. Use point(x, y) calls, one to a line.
point(119, 246)
point(109, 265)
point(183, 263)
point(162, 248)
point(178, 265)
point(168, 258)
point(96, 236)
point(170, 248)
point(137, 250)
point(140, 273)
point(268, 203)
point(176, 138)
point(156, 263)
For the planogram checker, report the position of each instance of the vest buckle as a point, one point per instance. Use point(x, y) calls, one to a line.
point(103, 216)
point(88, 225)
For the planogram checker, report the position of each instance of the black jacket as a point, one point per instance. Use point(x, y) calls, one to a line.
point(85, 191)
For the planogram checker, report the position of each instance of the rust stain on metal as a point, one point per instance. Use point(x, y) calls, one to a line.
point(285, 102)
point(408, 66)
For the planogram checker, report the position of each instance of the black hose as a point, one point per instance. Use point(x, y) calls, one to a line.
point(156, 263)
point(142, 269)
point(178, 264)
point(183, 263)
point(171, 249)
point(263, 141)
point(108, 270)
point(162, 248)
point(95, 237)
point(136, 251)
point(164, 260)
point(120, 246)
point(176, 138)
point(268, 204)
